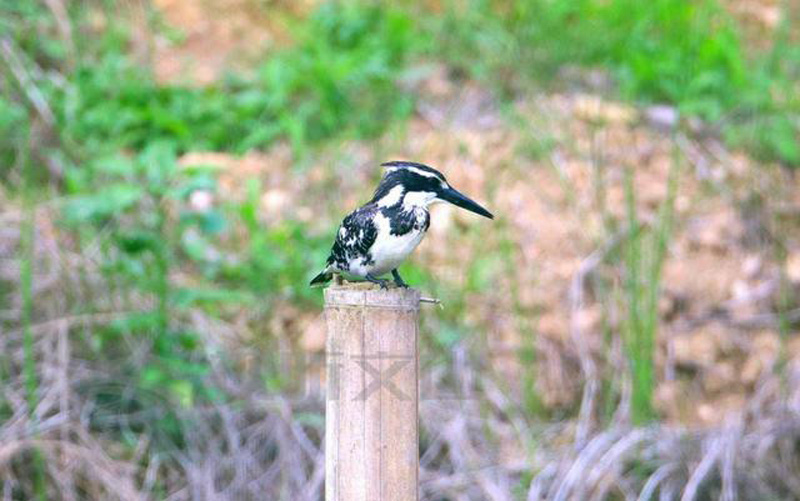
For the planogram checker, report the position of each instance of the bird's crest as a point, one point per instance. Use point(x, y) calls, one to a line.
point(417, 168)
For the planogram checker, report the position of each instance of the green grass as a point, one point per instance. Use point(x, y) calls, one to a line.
point(340, 78)
point(686, 53)
point(644, 253)
point(147, 232)
point(26, 259)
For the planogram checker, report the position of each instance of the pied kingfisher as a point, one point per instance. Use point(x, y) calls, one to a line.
point(375, 238)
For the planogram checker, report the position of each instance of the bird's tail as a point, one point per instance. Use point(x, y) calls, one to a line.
point(321, 279)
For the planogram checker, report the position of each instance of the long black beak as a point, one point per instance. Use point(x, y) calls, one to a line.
point(456, 198)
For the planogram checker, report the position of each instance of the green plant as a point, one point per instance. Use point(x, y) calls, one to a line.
point(643, 255)
point(340, 77)
point(769, 120)
point(137, 211)
point(686, 53)
point(26, 259)
point(130, 215)
point(525, 318)
point(13, 120)
point(681, 52)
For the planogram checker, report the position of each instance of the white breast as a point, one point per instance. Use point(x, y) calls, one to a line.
point(389, 250)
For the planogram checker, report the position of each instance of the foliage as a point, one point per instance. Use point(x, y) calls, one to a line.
point(129, 220)
point(141, 218)
point(343, 74)
point(669, 51)
point(643, 258)
point(340, 76)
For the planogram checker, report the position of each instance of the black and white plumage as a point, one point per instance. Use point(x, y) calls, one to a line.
point(375, 238)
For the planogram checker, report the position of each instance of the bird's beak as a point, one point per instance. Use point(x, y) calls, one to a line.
point(456, 198)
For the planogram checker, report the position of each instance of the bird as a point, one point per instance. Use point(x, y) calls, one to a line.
point(375, 238)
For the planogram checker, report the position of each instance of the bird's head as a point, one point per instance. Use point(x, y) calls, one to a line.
point(417, 185)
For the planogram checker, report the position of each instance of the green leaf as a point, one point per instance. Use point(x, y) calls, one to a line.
point(183, 392)
point(186, 297)
point(152, 377)
point(137, 241)
point(111, 201)
point(213, 222)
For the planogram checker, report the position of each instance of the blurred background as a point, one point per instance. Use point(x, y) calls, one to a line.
point(173, 173)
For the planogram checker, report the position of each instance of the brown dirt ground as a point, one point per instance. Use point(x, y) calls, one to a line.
point(217, 35)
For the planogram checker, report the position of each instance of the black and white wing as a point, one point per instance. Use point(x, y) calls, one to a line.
point(355, 237)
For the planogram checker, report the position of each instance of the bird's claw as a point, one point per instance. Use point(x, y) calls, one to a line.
point(383, 283)
point(398, 280)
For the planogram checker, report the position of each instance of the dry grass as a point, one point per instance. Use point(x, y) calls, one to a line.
point(257, 445)
point(749, 457)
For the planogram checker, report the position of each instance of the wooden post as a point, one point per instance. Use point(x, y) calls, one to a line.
point(371, 417)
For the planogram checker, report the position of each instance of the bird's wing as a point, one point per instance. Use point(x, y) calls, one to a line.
point(356, 235)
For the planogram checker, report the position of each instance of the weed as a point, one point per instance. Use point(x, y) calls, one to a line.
point(341, 76)
point(26, 259)
point(27, 242)
point(643, 258)
point(673, 51)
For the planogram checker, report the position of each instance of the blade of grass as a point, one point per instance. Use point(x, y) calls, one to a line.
point(27, 242)
point(643, 260)
point(633, 332)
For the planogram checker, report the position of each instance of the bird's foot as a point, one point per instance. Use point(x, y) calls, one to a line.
point(399, 280)
point(383, 283)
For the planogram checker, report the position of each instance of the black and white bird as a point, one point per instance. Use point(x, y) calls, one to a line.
point(375, 238)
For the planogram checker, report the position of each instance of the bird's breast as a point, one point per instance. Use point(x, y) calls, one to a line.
point(397, 239)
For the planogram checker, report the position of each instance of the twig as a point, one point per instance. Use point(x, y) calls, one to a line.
point(25, 82)
point(588, 366)
point(61, 16)
point(431, 300)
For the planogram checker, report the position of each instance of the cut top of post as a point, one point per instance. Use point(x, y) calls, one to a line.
point(359, 295)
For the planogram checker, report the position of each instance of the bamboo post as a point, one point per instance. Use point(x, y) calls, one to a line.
point(371, 417)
